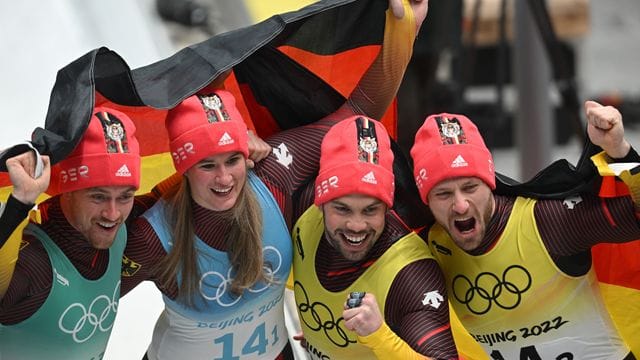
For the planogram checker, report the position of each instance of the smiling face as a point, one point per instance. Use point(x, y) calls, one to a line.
point(463, 207)
point(353, 224)
point(97, 213)
point(216, 181)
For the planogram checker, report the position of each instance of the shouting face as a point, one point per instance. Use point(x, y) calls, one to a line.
point(463, 207)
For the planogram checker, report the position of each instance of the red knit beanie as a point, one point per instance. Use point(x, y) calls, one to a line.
point(205, 125)
point(107, 155)
point(355, 157)
point(449, 146)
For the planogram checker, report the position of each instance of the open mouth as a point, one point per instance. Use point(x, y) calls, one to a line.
point(107, 225)
point(356, 239)
point(465, 225)
point(222, 191)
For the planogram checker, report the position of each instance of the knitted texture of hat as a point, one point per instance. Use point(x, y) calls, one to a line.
point(355, 158)
point(204, 125)
point(449, 146)
point(107, 155)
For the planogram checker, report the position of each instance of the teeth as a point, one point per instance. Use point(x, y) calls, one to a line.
point(223, 190)
point(355, 239)
point(107, 225)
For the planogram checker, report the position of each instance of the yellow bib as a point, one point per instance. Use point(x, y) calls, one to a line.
point(320, 310)
point(517, 304)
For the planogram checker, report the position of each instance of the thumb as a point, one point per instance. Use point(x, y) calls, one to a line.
point(397, 8)
point(590, 104)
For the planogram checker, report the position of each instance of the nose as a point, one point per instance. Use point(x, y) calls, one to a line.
point(356, 224)
point(460, 203)
point(223, 175)
point(111, 210)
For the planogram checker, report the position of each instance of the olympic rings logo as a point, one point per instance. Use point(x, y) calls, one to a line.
point(505, 292)
point(100, 315)
point(214, 285)
point(318, 316)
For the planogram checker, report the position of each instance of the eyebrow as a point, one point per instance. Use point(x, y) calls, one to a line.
point(209, 159)
point(338, 202)
point(101, 190)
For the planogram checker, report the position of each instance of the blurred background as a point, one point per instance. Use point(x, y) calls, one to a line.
point(521, 79)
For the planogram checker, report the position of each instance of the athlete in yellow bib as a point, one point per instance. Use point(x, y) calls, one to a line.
point(518, 270)
point(351, 242)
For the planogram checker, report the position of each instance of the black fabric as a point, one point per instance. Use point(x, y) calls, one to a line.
point(575, 265)
point(334, 31)
point(632, 156)
point(264, 78)
point(13, 214)
point(406, 198)
point(558, 180)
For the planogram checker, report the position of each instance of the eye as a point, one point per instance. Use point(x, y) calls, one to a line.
point(234, 159)
point(341, 208)
point(373, 210)
point(97, 197)
point(207, 165)
point(469, 188)
point(125, 198)
point(442, 194)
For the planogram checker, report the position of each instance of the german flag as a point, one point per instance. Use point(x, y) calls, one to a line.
point(618, 269)
point(290, 69)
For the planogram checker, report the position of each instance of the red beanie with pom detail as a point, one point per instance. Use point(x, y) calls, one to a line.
point(107, 155)
point(355, 158)
point(204, 125)
point(449, 146)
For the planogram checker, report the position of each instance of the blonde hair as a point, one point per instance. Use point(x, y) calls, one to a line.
point(244, 244)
